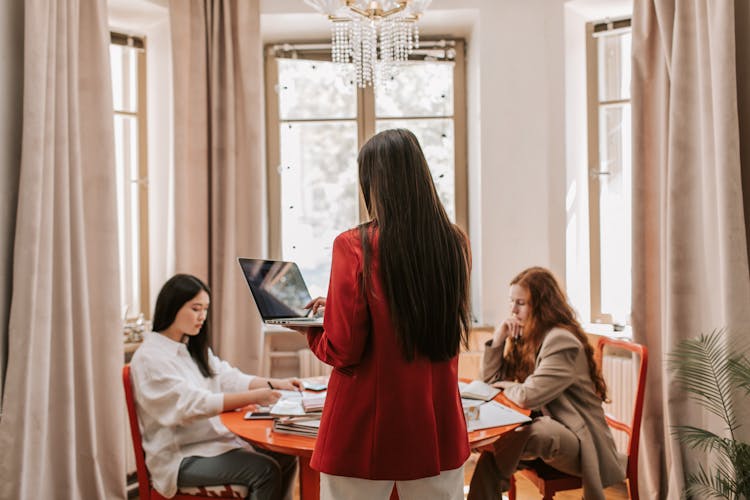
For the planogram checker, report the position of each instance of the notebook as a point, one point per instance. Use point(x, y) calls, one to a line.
point(477, 390)
point(279, 292)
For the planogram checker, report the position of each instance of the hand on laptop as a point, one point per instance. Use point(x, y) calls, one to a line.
point(316, 305)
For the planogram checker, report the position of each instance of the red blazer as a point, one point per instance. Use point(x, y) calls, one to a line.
point(384, 417)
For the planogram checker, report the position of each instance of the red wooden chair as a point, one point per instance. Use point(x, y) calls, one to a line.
point(549, 481)
point(145, 491)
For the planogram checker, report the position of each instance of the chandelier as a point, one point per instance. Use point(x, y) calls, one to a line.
point(375, 36)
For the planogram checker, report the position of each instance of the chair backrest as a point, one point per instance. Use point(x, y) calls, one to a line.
point(633, 429)
point(144, 481)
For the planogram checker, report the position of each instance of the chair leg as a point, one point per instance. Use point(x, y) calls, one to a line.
point(546, 493)
point(633, 488)
point(512, 489)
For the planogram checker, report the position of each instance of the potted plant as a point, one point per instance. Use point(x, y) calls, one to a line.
point(712, 373)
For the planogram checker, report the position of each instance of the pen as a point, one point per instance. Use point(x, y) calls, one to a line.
point(270, 385)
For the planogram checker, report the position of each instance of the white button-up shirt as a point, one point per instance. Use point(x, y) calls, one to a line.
point(178, 408)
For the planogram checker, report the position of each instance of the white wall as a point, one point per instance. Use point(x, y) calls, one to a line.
point(515, 129)
point(11, 93)
point(520, 128)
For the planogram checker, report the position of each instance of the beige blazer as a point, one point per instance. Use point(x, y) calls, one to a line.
point(561, 388)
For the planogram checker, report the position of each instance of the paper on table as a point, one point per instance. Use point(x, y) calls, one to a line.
point(288, 407)
point(494, 414)
point(289, 394)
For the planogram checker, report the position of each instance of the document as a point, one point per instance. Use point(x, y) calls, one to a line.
point(288, 407)
point(477, 390)
point(494, 414)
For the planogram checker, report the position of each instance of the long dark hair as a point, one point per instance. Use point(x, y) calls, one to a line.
point(179, 289)
point(550, 309)
point(424, 259)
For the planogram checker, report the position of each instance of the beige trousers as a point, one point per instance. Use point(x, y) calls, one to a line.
point(449, 485)
point(544, 438)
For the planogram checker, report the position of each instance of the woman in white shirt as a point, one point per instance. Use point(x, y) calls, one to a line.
point(180, 389)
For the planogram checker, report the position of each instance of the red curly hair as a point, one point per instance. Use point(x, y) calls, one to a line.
point(550, 309)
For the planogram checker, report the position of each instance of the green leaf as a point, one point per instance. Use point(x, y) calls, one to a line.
point(703, 439)
point(740, 369)
point(701, 484)
point(711, 372)
point(701, 367)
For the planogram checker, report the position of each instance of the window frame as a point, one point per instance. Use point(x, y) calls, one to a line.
point(138, 43)
point(366, 120)
point(593, 107)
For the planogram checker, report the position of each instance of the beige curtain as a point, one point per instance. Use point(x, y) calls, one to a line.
point(219, 176)
point(61, 433)
point(690, 261)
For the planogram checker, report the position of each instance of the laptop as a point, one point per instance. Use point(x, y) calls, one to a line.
point(279, 292)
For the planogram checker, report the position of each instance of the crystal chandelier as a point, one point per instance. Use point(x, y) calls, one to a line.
point(375, 36)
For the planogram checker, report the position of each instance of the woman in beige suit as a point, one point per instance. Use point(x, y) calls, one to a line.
point(542, 359)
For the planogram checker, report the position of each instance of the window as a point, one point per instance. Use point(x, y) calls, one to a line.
point(318, 119)
point(610, 184)
point(128, 64)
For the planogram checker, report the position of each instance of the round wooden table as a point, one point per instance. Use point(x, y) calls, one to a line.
point(260, 433)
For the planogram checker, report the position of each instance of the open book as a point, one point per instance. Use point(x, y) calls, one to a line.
point(477, 390)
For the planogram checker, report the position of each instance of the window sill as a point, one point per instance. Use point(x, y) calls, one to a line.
point(608, 330)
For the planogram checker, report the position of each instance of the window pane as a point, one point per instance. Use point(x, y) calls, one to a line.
point(614, 207)
point(319, 194)
point(124, 78)
point(614, 67)
point(417, 89)
point(436, 138)
point(126, 161)
point(316, 89)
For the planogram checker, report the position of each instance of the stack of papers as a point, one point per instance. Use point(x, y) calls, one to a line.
point(477, 390)
point(493, 414)
point(299, 426)
point(313, 402)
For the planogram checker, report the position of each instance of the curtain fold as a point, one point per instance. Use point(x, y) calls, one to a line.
point(690, 266)
point(219, 175)
point(62, 427)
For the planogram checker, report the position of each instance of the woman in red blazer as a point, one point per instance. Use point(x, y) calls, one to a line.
point(396, 311)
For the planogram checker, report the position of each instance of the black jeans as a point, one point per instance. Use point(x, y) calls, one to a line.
point(267, 474)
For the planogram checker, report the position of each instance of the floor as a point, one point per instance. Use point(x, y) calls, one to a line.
point(526, 490)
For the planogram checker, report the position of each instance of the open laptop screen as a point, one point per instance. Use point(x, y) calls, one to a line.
point(277, 287)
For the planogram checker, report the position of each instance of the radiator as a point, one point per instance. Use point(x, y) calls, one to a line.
point(620, 375)
point(310, 366)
